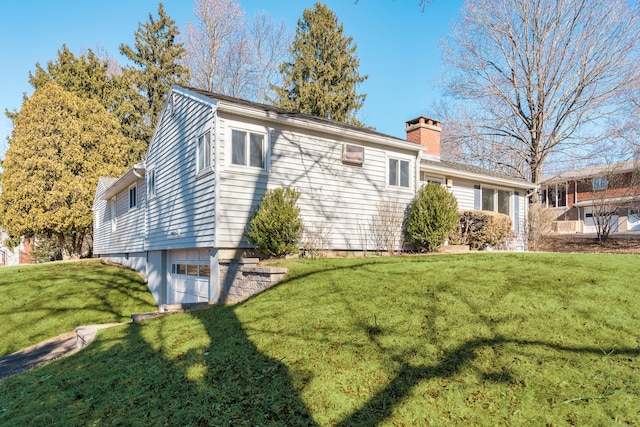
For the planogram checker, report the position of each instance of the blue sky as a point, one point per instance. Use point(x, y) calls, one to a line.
point(397, 45)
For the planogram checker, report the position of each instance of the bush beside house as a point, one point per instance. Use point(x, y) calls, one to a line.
point(275, 226)
point(480, 229)
point(432, 217)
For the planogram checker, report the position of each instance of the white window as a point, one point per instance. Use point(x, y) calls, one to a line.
point(247, 149)
point(151, 183)
point(353, 154)
point(133, 197)
point(399, 173)
point(204, 151)
point(113, 214)
point(425, 179)
point(496, 200)
point(201, 270)
point(600, 183)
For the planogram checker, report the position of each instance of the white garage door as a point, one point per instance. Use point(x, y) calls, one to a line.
point(590, 222)
point(190, 275)
point(633, 220)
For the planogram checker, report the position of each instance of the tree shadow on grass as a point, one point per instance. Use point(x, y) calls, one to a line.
point(380, 406)
point(196, 368)
point(202, 368)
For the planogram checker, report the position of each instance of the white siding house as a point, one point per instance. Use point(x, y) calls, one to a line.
point(179, 214)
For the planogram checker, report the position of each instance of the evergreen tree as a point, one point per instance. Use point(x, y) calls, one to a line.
point(157, 57)
point(59, 146)
point(275, 226)
point(90, 77)
point(322, 77)
point(432, 217)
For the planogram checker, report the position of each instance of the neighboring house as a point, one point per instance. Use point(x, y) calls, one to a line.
point(180, 215)
point(21, 254)
point(578, 198)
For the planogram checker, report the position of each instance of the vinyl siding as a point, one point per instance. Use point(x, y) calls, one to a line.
point(101, 225)
point(130, 224)
point(333, 194)
point(182, 214)
point(464, 193)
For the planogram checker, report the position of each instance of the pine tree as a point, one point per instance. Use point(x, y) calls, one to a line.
point(322, 77)
point(157, 56)
point(90, 77)
point(59, 146)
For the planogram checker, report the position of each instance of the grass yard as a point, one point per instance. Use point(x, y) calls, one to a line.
point(38, 302)
point(475, 339)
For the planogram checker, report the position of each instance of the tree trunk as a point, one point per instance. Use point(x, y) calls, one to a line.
point(62, 244)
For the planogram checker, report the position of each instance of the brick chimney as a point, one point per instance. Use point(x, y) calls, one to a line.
point(425, 131)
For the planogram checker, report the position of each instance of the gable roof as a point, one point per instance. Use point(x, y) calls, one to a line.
point(113, 186)
point(593, 171)
point(462, 170)
point(277, 114)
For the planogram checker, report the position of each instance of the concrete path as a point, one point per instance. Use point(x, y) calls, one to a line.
point(49, 350)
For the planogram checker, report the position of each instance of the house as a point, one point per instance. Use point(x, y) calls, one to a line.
point(609, 194)
point(179, 216)
point(20, 254)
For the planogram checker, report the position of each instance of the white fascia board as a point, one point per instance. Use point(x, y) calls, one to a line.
point(194, 95)
point(607, 201)
point(300, 122)
point(443, 170)
point(126, 179)
point(183, 92)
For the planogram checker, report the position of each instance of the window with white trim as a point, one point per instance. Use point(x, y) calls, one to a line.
point(557, 195)
point(496, 200)
point(248, 148)
point(133, 196)
point(113, 214)
point(200, 270)
point(204, 151)
point(398, 173)
point(599, 183)
point(425, 178)
point(151, 183)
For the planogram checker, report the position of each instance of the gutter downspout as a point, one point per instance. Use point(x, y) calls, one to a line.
point(417, 173)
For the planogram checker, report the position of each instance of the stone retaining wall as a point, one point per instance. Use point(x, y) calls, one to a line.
point(243, 278)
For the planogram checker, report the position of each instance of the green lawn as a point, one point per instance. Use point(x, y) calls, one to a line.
point(478, 339)
point(38, 302)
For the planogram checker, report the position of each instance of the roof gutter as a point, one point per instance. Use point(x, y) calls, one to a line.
point(480, 177)
point(338, 131)
point(129, 177)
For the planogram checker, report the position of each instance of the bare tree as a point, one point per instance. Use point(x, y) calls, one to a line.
point(270, 45)
point(536, 77)
point(540, 225)
point(219, 23)
point(226, 54)
point(615, 188)
point(387, 226)
point(317, 239)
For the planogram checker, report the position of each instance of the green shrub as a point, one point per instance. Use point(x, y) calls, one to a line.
point(432, 217)
point(479, 229)
point(275, 226)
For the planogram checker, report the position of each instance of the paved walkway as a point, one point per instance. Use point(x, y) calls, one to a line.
point(49, 350)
